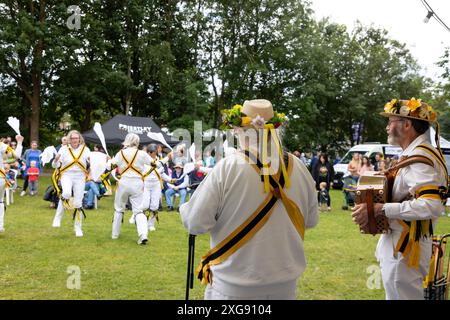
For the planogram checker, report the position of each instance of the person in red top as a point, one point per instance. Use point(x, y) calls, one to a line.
point(33, 176)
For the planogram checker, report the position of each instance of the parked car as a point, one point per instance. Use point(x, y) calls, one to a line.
point(367, 149)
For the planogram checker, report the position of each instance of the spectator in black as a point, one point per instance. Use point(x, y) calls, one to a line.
point(323, 172)
point(314, 160)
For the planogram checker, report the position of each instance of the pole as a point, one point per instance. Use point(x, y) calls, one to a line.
point(190, 267)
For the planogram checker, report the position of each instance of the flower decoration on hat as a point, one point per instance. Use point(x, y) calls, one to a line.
point(234, 117)
point(413, 109)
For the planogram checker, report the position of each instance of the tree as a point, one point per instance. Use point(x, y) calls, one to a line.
point(32, 33)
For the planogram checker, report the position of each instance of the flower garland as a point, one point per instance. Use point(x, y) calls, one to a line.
point(413, 108)
point(234, 117)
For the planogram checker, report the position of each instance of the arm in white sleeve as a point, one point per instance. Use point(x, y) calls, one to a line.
point(199, 213)
point(312, 216)
point(112, 162)
point(416, 176)
point(57, 163)
point(205, 170)
point(164, 160)
point(165, 177)
point(18, 151)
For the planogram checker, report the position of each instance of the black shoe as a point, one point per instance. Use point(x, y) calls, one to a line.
point(344, 207)
point(169, 208)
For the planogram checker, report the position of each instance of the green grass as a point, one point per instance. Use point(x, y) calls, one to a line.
point(34, 257)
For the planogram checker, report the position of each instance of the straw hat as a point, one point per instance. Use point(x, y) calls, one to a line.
point(258, 107)
point(411, 109)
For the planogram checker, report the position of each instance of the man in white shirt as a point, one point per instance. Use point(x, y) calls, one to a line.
point(7, 151)
point(131, 162)
point(415, 200)
point(256, 232)
point(153, 183)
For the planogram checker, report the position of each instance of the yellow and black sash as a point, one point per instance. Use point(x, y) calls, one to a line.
point(104, 179)
point(11, 151)
point(255, 222)
point(413, 231)
point(153, 168)
point(3, 175)
point(130, 164)
point(55, 178)
point(437, 156)
point(76, 161)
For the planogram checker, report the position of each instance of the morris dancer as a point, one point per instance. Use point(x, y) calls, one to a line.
point(153, 184)
point(71, 163)
point(414, 200)
point(9, 152)
point(131, 162)
point(256, 209)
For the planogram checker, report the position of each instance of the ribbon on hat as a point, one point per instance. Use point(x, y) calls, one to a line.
point(269, 128)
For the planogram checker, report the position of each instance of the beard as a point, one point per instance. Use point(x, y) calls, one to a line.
point(395, 137)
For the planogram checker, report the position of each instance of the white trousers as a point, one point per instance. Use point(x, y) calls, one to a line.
point(129, 188)
point(150, 199)
point(71, 183)
point(400, 281)
point(212, 293)
point(2, 204)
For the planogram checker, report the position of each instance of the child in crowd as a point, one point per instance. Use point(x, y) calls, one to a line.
point(10, 175)
point(324, 196)
point(33, 176)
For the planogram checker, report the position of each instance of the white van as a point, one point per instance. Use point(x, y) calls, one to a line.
point(367, 149)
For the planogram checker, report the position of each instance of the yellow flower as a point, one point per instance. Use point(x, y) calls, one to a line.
point(237, 107)
point(388, 106)
point(433, 116)
point(413, 104)
point(246, 121)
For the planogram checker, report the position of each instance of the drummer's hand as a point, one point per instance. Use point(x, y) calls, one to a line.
point(359, 214)
point(19, 138)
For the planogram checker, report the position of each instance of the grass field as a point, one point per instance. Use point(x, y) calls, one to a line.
point(34, 257)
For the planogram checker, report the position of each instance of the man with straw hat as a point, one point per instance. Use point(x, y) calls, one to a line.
point(417, 189)
point(256, 205)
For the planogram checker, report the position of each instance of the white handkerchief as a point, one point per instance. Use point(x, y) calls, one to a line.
point(158, 137)
point(14, 123)
point(98, 130)
point(47, 155)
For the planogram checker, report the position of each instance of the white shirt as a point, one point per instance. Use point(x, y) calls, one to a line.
point(227, 196)
point(152, 177)
point(408, 180)
point(17, 152)
point(141, 160)
point(66, 159)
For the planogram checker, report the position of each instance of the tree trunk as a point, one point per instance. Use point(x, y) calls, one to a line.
point(36, 75)
point(85, 123)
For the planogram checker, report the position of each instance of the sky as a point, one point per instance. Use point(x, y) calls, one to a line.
point(404, 21)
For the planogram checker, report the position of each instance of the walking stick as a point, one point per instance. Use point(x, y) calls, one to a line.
point(190, 268)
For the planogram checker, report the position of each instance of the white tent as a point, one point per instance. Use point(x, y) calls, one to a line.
point(445, 144)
